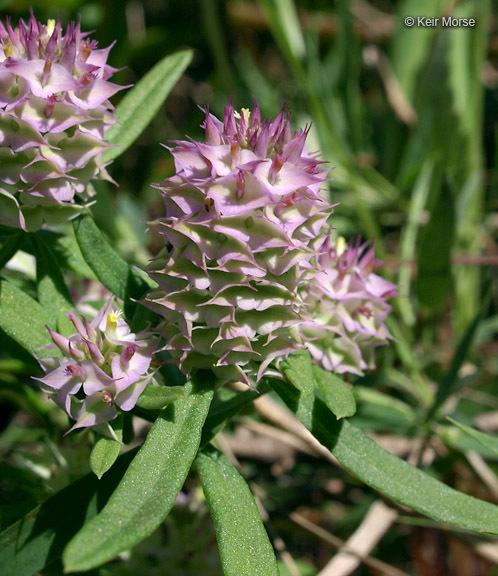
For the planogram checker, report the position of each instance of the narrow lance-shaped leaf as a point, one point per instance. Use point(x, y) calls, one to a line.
point(106, 450)
point(111, 270)
point(53, 293)
point(23, 318)
point(411, 48)
point(386, 473)
point(408, 241)
point(297, 368)
point(487, 440)
point(385, 403)
point(245, 549)
point(37, 540)
point(141, 103)
point(104, 454)
point(157, 397)
point(149, 488)
point(337, 395)
point(433, 282)
point(68, 253)
point(467, 55)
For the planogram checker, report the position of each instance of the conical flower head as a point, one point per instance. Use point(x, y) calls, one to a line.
point(54, 112)
point(346, 308)
point(104, 367)
point(242, 230)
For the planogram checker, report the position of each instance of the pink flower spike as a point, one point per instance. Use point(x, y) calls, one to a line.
point(90, 330)
point(96, 379)
point(245, 221)
point(95, 354)
point(128, 354)
point(95, 410)
point(127, 398)
point(54, 87)
point(66, 372)
point(346, 308)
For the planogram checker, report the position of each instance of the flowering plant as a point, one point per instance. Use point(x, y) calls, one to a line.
point(149, 350)
point(106, 361)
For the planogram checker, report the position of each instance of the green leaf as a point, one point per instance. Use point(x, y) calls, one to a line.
point(337, 395)
point(488, 441)
point(110, 269)
point(35, 541)
point(141, 104)
point(221, 412)
point(408, 240)
point(23, 319)
point(384, 402)
point(284, 21)
point(297, 368)
point(106, 450)
point(68, 253)
point(411, 47)
point(386, 473)
point(434, 283)
point(149, 488)
point(11, 246)
point(53, 293)
point(459, 440)
point(467, 54)
point(449, 380)
point(245, 548)
point(157, 397)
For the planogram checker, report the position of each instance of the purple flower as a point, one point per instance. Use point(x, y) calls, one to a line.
point(54, 112)
point(346, 308)
point(104, 367)
point(243, 228)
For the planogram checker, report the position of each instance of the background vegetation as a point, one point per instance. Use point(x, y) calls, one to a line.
point(407, 116)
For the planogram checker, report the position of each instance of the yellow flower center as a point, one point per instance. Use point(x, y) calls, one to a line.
point(245, 112)
point(113, 317)
point(50, 26)
point(340, 245)
point(8, 48)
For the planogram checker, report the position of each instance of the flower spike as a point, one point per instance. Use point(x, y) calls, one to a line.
point(243, 228)
point(54, 113)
